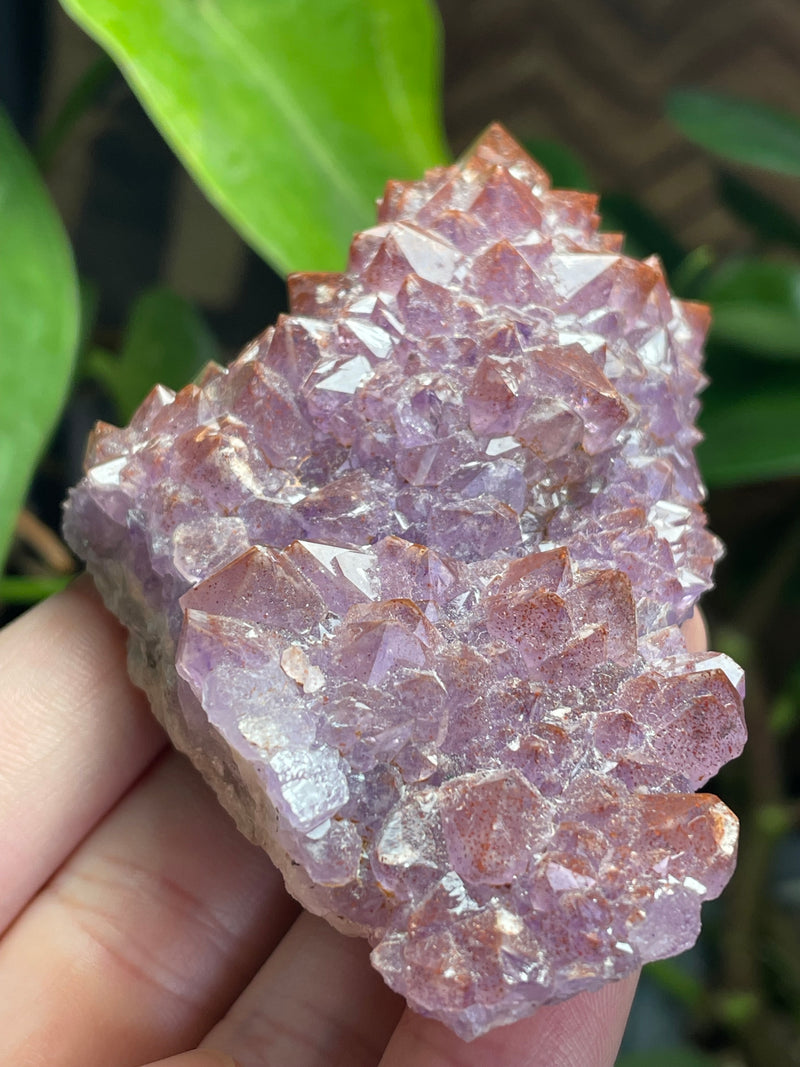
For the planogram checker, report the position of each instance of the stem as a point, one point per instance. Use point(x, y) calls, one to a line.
point(45, 544)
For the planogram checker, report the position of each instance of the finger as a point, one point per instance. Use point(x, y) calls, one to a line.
point(199, 1058)
point(144, 937)
point(75, 735)
point(584, 1031)
point(316, 1002)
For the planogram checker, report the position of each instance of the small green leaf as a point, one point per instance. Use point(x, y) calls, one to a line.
point(25, 589)
point(680, 1056)
point(740, 130)
point(688, 276)
point(566, 169)
point(676, 979)
point(738, 1009)
point(751, 438)
point(756, 307)
point(290, 114)
point(166, 341)
point(38, 323)
point(759, 280)
point(769, 332)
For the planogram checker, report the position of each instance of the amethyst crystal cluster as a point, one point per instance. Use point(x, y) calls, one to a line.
point(405, 581)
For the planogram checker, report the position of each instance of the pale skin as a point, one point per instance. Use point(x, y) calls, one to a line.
point(138, 924)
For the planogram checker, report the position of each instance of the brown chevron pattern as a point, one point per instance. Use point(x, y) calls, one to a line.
point(593, 74)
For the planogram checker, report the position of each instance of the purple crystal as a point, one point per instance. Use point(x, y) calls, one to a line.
point(405, 581)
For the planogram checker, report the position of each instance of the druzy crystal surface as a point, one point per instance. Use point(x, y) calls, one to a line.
point(406, 582)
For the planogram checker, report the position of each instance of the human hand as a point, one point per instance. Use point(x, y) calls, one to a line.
point(139, 923)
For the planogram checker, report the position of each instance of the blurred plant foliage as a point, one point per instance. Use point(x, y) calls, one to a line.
point(38, 323)
point(166, 340)
point(290, 116)
point(292, 140)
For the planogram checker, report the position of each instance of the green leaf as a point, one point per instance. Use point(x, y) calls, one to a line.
point(689, 275)
point(166, 341)
point(680, 1056)
point(759, 280)
point(566, 169)
point(290, 114)
point(756, 307)
point(773, 333)
point(751, 438)
point(38, 323)
point(674, 977)
point(29, 589)
point(740, 130)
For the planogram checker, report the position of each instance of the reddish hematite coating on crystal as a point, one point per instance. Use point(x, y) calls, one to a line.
point(406, 581)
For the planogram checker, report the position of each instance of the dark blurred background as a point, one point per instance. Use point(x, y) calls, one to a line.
point(589, 77)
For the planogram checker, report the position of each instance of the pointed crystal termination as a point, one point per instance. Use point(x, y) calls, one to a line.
point(406, 583)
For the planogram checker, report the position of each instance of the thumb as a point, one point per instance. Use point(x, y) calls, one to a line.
point(201, 1057)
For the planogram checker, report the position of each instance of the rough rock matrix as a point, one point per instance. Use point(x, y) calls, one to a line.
point(406, 580)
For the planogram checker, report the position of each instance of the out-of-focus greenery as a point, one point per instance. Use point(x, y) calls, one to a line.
point(740, 130)
point(38, 323)
point(293, 143)
point(165, 341)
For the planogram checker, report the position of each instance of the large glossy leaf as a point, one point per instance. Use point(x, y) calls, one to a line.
point(290, 114)
point(38, 322)
point(740, 130)
point(166, 341)
point(751, 438)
